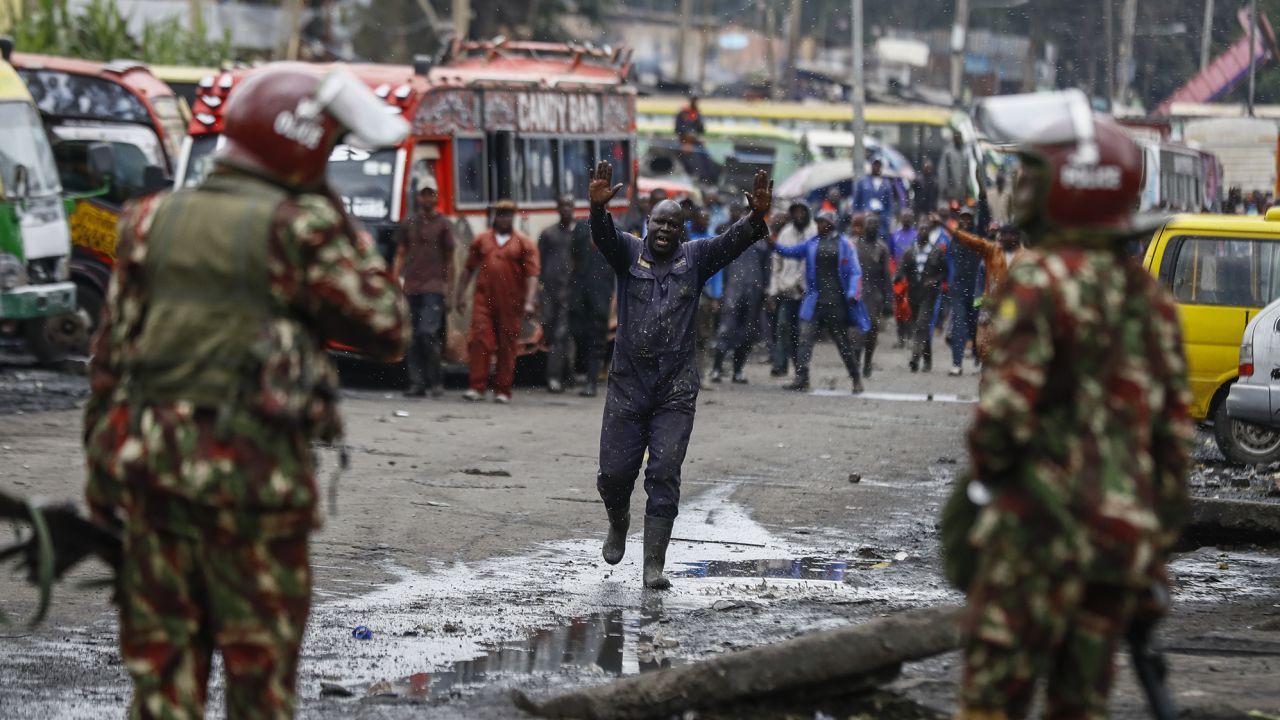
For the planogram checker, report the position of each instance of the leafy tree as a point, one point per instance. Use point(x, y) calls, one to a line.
point(101, 32)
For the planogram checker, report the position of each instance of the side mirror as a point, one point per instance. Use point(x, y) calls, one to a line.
point(102, 162)
point(21, 182)
point(154, 179)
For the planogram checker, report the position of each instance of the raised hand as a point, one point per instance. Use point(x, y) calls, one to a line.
point(600, 192)
point(760, 199)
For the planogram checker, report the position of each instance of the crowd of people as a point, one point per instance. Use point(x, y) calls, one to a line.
point(843, 270)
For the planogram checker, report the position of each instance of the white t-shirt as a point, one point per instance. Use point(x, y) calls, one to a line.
point(502, 239)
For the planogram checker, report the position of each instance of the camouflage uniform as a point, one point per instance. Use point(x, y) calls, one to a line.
point(218, 502)
point(1082, 433)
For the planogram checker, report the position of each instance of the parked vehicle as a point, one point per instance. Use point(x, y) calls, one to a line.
point(1222, 270)
point(122, 107)
point(492, 120)
point(35, 245)
point(1246, 147)
point(1253, 404)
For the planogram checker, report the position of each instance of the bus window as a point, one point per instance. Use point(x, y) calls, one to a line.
point(576, 159)
point(506, 165)
point(364, 180)
point(539, 170)
point(618, 153)
point(470, 178)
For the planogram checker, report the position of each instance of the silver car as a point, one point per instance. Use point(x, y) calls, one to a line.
point(1254, 401)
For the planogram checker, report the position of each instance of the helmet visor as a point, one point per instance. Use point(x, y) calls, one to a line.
point(1057, 118)
point(371, 122)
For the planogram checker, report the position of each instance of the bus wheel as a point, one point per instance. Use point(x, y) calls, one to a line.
point(1245, 443)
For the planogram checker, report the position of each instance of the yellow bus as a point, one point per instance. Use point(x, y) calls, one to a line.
point(918, 131)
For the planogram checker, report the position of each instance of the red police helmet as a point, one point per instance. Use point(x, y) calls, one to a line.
point(1087, 172)
point(283, 120)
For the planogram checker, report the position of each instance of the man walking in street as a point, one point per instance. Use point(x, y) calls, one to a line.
point(210, 382)
point(504, 264)
point(555, 256)
point(592, 289)
point(653, 383)
point(786, 287)
point(1081, 441)
point(424, 257)
point(924, 190)
point(877, 285)
point(954, 171)
point(924, 267)
point(739, 326)
point(875, 195)
point(965, 264)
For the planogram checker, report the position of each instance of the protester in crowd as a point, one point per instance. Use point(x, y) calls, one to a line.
point(924, 190)
point(877, 284)
point(739, 325)
point(924, 267)
point(902, 238)
point(875, 194)
point(689, 126)
point(786, 287)
point(955, 171)
point(555, 255)
point(504, 264)
point(963, 284)
point(832, 301)
point(717, 211)
point(424, 259)
point(996, 258)
point(633, 221)
point(652, 400)
point(592, 297)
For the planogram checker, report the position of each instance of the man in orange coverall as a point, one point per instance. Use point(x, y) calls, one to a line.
point(504, 263)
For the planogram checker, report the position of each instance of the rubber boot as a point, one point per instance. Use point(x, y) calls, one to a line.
point(800, 383)
point(657, 534)
point(615, 542)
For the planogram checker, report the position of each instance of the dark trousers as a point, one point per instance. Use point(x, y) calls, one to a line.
point(832, 319)
point(426, 312)
point(964, 320)
point(644, 412)
point(555, 332)
point(872, 336)
point(786, 341)
point(923, 304)
point(739, 328)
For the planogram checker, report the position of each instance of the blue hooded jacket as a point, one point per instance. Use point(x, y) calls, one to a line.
point(850, 279)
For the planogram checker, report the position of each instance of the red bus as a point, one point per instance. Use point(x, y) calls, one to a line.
point(119, 104)
point(489, 120)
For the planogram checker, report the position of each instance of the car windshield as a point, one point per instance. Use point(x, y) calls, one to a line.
point(24, 143)
point(365, 180)
point(200, 161)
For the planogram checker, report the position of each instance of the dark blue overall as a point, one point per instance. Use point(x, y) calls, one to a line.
point(653, 381)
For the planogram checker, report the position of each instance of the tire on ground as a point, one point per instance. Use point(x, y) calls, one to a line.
point(1244, 443)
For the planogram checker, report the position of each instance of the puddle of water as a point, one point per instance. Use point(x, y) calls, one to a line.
point(805, 568)
point(615, 643)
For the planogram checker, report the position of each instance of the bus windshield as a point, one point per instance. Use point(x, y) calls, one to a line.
point(365, 180)
point(23, 142)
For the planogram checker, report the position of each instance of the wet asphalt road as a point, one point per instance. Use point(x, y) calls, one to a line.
point(467, 539)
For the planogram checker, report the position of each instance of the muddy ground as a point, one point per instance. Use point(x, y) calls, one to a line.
point(467, 540)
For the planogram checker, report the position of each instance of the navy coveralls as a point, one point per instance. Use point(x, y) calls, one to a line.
point(653, 381)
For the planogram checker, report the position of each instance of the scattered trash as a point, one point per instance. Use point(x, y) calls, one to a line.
point(334, 690)
point(401, 414)
point(663, 642)
point(900, 556)
point(450, 627)
point(1222, 565)
point(485, 473)
point(946, 460)
point(881, 565)
point(382, 687)
point(855, 477)
point(824, 457)
point(725, 605)
point(362, 632)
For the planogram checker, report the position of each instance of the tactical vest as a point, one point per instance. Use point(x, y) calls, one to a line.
point(208, 298)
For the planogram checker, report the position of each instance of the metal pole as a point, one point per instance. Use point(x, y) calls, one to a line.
point(461, 15)
point(682, 38)
point(1253, 55)
point(959, 38)
point(858, 93)
point(1128, 27)
point(794, 18)
point(1206, 34)
point(1109, 37)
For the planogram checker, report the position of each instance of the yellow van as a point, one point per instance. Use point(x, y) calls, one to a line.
point(1222, 270)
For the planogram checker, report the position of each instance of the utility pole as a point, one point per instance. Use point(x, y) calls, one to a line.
point(794, 18)
point(195, 12)
point(1253, 55)
point(1109, 37)
point(858, 93)
point(1206, 34)
point(959, 38)
point(682, 39)
point(292, 45)
point(460, 12)
point(776, 90)
point(1128, 28)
